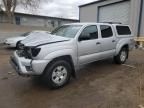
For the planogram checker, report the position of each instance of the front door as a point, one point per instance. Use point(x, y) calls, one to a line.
point(88, 45)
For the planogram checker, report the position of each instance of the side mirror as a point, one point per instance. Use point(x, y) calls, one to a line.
point(84, 37)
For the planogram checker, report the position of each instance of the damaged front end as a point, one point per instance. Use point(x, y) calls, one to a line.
point(28, 52)
point(24, 64)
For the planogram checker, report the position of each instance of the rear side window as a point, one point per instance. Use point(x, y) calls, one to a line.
point(123, 30)
point(106, 31)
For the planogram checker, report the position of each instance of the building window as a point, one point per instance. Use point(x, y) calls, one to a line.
point(106, 31)
point(49, 22)
point(59, 23)
point(53, 23)
point(17, 19)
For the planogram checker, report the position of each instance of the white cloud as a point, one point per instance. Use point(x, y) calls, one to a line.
point(61, 8)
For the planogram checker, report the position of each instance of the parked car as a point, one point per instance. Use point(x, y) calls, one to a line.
point(57, 56)
point(14, 41)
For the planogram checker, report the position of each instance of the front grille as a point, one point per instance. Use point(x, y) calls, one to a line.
point(20, 46)
point(26, 52)
point(20, 53)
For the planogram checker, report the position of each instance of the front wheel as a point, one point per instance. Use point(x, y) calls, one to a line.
point(57, 74)
point(122, 56)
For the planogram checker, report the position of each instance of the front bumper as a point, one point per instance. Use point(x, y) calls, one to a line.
point(26, 67)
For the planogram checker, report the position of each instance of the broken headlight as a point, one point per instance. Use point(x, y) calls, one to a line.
point(35, 51)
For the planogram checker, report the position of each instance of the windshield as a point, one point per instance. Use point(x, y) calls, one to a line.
point(67, 31)
point(25, 34)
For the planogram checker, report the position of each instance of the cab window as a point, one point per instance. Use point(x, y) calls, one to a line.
point(89, 33)
point(106, 31)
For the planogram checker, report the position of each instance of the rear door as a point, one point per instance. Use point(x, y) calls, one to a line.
point(108, 41)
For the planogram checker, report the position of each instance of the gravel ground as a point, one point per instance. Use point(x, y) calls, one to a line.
point(100, 84)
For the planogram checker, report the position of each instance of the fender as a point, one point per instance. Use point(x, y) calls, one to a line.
point(120, 44)
point(63, 52)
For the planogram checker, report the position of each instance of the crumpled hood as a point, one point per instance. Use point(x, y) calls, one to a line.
point(42, 38)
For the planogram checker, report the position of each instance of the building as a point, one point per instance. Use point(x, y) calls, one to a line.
point(125, 11)
point(36, 20)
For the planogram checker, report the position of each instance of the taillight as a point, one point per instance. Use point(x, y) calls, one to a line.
point(35, 51)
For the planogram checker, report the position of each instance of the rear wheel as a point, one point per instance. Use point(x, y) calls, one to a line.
point(57, 74)
point(122, 56)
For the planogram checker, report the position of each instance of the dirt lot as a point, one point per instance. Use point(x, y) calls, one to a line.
point(99, 85)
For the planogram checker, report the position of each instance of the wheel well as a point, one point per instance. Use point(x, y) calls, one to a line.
point(67, 58)
point(126, 46)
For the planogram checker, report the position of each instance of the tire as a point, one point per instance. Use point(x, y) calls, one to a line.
point(57, 74)
point(122, 56)
point(17, 44)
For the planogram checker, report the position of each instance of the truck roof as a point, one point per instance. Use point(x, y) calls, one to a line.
point(91, 23)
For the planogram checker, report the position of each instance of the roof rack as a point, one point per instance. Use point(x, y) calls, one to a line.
point(112, 22)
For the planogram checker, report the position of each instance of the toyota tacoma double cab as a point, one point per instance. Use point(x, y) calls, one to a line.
point(57, 56)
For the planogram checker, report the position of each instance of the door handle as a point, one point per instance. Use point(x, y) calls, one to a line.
point(98, 43)
point(113, 41)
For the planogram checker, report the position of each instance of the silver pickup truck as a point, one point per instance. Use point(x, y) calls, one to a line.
point(57, 56)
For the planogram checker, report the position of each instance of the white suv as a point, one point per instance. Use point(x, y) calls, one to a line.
point(57, 56)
